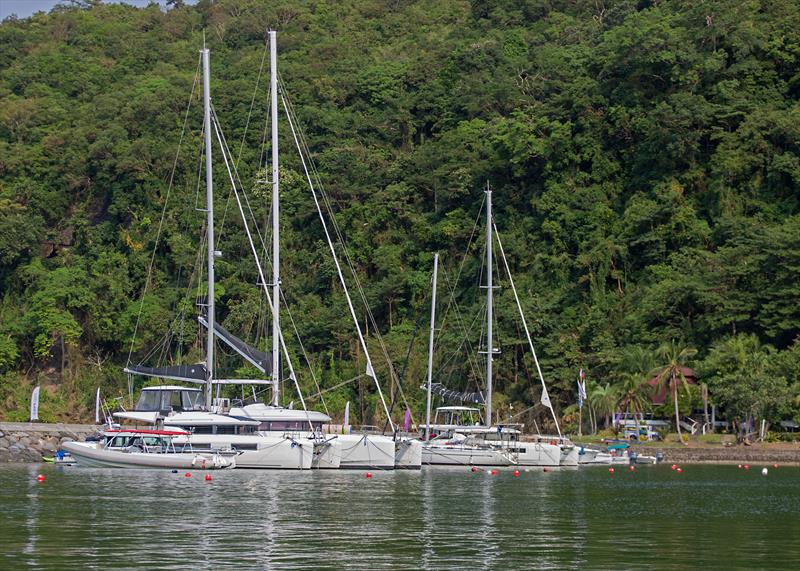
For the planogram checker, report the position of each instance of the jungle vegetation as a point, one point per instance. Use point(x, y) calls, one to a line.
point(644, 158)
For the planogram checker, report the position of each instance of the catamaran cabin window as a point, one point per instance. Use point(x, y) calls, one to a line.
point(193, 400)
point(149, 401)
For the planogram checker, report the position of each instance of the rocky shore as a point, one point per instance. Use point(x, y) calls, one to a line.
point(28, 442)
point(765, 454)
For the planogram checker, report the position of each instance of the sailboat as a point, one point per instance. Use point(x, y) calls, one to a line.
point(457, 442)
point(276, 438)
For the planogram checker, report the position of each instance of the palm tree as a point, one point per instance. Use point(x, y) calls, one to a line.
point(674, 357)
point(603, 399)
point(634, 392)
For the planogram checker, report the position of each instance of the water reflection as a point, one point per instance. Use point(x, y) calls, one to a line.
point(433, 519)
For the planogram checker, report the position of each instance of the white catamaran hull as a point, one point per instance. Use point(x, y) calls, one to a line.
point(90, 454)
point(327, 454)
point(569, 455)
point(535, 454)
point(463, 455)
point(592, 457)
point(264, 452)
point(367, 451)
point(408, 454)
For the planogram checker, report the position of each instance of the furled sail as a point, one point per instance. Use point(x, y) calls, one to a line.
point(451, 395)
point(190, 373)
point(261, 360)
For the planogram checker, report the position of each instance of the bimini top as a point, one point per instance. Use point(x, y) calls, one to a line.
point(202, 418)
point(170, 388)
point(261, 412)
point(458, 409)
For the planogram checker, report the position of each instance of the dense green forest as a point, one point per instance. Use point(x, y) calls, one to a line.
point(644, 158)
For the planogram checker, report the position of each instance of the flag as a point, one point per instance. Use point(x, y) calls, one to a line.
point(346, 417)
point(97, 407)
point(35, 404)
point(546, 398)
point(407, 420)
point(582, 374)
point(580, 395)
point(370, 370)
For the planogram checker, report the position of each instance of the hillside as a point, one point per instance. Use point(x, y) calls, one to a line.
point(644, 158)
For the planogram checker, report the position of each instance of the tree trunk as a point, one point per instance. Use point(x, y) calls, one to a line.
point(63, 357)
point(677, 414)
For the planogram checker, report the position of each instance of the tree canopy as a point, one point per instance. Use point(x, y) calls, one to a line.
point(644, 156)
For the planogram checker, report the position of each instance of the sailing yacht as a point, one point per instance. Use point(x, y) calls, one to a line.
point(456, 442)
point(285, 448)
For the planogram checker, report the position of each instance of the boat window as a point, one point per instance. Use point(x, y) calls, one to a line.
point(119, 442)
point(203, 430)
point(165, 400)
point(192, 400)
point(246, 446)
point(149, 401)
point(175, 400)
point(225, 430)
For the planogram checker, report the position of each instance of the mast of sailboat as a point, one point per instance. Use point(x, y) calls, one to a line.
point(489, 348)
point(430, 349)
point(276, 294)
point(209, 223)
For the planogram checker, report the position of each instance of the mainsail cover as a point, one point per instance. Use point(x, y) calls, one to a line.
point(260, 359)
point(191, 373)
point(462, 397)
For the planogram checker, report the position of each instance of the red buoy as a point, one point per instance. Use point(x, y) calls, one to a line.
point(632, 468)
point(546, 470)
point(208, 477)
point(187, 475)
point(747, 466)
point(369, 474)
point(680, 470)
point(494, 472)
point(516, 473)
point(611, 470)
point(674, 466)
point(474, 469)
point(40, 478)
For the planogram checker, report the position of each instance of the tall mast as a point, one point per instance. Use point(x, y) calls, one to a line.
point(430, 348)
point(489, 291)
point(209, 223)
point(276, 279)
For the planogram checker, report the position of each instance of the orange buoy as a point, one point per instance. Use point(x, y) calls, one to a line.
point(208, 477)
point(516, 473)
point(187, 475)
point(368, 474)
point(740, 466)
point(774, 465)
point(40, 478)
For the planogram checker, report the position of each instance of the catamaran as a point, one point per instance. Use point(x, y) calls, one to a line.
point(482, 442)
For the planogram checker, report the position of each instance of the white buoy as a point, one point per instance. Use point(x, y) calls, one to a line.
point(764, 471)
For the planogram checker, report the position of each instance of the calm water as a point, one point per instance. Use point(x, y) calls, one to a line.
point(715, 517)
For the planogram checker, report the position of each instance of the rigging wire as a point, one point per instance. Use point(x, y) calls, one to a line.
point(161, 221)
point(305, 151)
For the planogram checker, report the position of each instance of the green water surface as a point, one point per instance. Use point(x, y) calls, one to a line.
point(708, 517)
